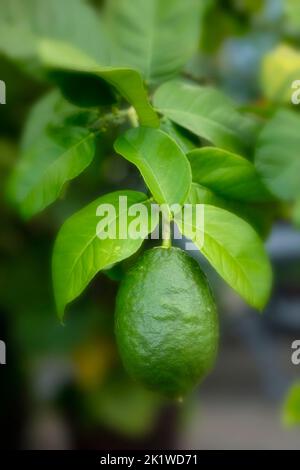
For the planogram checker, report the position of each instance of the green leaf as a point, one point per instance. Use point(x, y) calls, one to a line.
point(42, 113)
point(50, 147)
point(84, 90)
point(260, 216)
point(162, 163)
point(58, 56)
point(234, 249)
point(280, 68)
point(79, 254)
point(292, 17)
point(182, 137)
point(207, 113)
point(277, 156)
point(291, 409)
point(50, 110)
point(155, 37)
point(227, 174)
point(24, 24)
point(57, 156)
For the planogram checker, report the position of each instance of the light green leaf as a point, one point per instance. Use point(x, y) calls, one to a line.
point(260, 216)
point(54, 150)
point(207, 113)
point(59, 155)
point(42, 113)
point(24, 24)
point(50, 110)
point(79, 253)
point(162, 163)
point(227, 174)
point(280, 68)
point(291, 409)
point(58, 56)
point(277, 156)
point(234, 249)
point(155, 37)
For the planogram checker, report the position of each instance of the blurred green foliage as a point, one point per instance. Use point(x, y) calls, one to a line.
point(291, 410)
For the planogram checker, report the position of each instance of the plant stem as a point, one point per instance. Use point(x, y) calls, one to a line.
point(132, 116)
point(116, 117)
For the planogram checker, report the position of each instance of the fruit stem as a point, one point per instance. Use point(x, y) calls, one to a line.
point(166, 235)
point(166, 243)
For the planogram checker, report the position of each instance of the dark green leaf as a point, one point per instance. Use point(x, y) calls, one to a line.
point(207, 113)
point(83, 89)
point(60, 57)
point(184, 139)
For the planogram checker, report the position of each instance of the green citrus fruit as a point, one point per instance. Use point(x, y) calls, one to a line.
point(166, 322)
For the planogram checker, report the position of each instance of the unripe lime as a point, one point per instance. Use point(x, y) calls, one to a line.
point(166, 322)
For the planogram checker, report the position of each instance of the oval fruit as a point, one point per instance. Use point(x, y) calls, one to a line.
point(166, 322)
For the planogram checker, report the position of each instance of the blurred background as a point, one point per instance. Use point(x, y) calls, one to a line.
point(63, 386)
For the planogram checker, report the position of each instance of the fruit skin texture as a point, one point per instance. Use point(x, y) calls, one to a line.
point(166, 322)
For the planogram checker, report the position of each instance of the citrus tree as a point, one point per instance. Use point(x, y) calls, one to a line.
point(123, 79)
